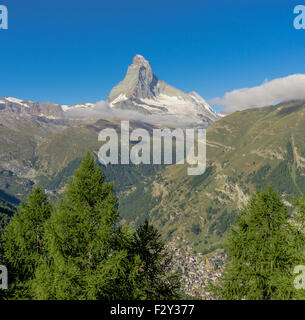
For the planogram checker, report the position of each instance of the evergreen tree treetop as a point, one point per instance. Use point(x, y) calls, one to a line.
point(24, 243)
point(263, 248)
point(24, 234)
point(88, 186)
point(87, 214)
point(84, 259)
point(157, 278)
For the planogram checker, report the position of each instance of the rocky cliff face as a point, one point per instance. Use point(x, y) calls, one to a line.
point(142, 91)
point(24, 107)
point(139, 82)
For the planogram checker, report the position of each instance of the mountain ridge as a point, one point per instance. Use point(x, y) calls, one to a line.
point(142, 91)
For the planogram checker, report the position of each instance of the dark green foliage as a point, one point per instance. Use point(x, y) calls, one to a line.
point(135, 208)
point(4, 221)
point(280, 176)
point(62, 177)
point(211, 212)
point(282, 179)
point(14, 188)
point(156, 279)
point(260, 176)
point(24, 243)
point(289, 110)
point(7, 198)
point(79, 251)
point(289, 152)
point(6, 212)
point(196, 228)
point(126, 176)
point(89, 256)
point(85, 260)
point(300, 178)
point(264, 247)
point(225, 221)
point(123, 176)
point(200, 179)
point(7, 208)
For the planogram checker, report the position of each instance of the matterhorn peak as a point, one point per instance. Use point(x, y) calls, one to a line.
point(143, 92)
point(139, 82)
point(139, 60)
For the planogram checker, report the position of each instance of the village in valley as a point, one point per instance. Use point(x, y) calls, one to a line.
point(197, 269)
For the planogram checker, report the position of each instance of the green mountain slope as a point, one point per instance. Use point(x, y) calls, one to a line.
point(61, 154)
point(245, 151)
point(20, 136)
point(47, 153)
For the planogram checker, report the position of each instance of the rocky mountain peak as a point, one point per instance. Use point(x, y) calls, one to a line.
point(143, 92)
point(139, 82)
point(139, 60)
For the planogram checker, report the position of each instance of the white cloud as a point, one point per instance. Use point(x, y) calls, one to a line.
point(269, 93)
point(102, 110)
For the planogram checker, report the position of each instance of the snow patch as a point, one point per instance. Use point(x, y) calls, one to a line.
point(17, 101)
point(77, 106)
point(120, 98)
point(201, 101)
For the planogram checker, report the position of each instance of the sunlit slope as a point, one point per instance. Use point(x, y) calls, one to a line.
point(245, 151)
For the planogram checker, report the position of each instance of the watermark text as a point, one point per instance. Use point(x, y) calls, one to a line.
point(3, 17)
point(3, 278)
point(141, 147)
point(299, 21)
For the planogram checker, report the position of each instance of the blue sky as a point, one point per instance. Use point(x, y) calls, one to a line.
point(72, 51)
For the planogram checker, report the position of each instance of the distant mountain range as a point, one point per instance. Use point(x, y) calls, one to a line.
point(140, 91)
point(26, 108)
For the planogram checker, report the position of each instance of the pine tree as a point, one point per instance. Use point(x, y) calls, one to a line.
point(87, 253)
point(263, 247)
point(23, 242)
point(4, 221)
point(157, 279)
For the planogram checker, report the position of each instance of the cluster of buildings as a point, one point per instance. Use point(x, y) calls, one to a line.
point(197, 270)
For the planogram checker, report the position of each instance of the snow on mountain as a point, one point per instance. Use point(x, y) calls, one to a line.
point(77, 106)
point(143, 92)
point(140, 92)
point(25, 108)
point(201, 101)
point(17, 101)
point(47, 110)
